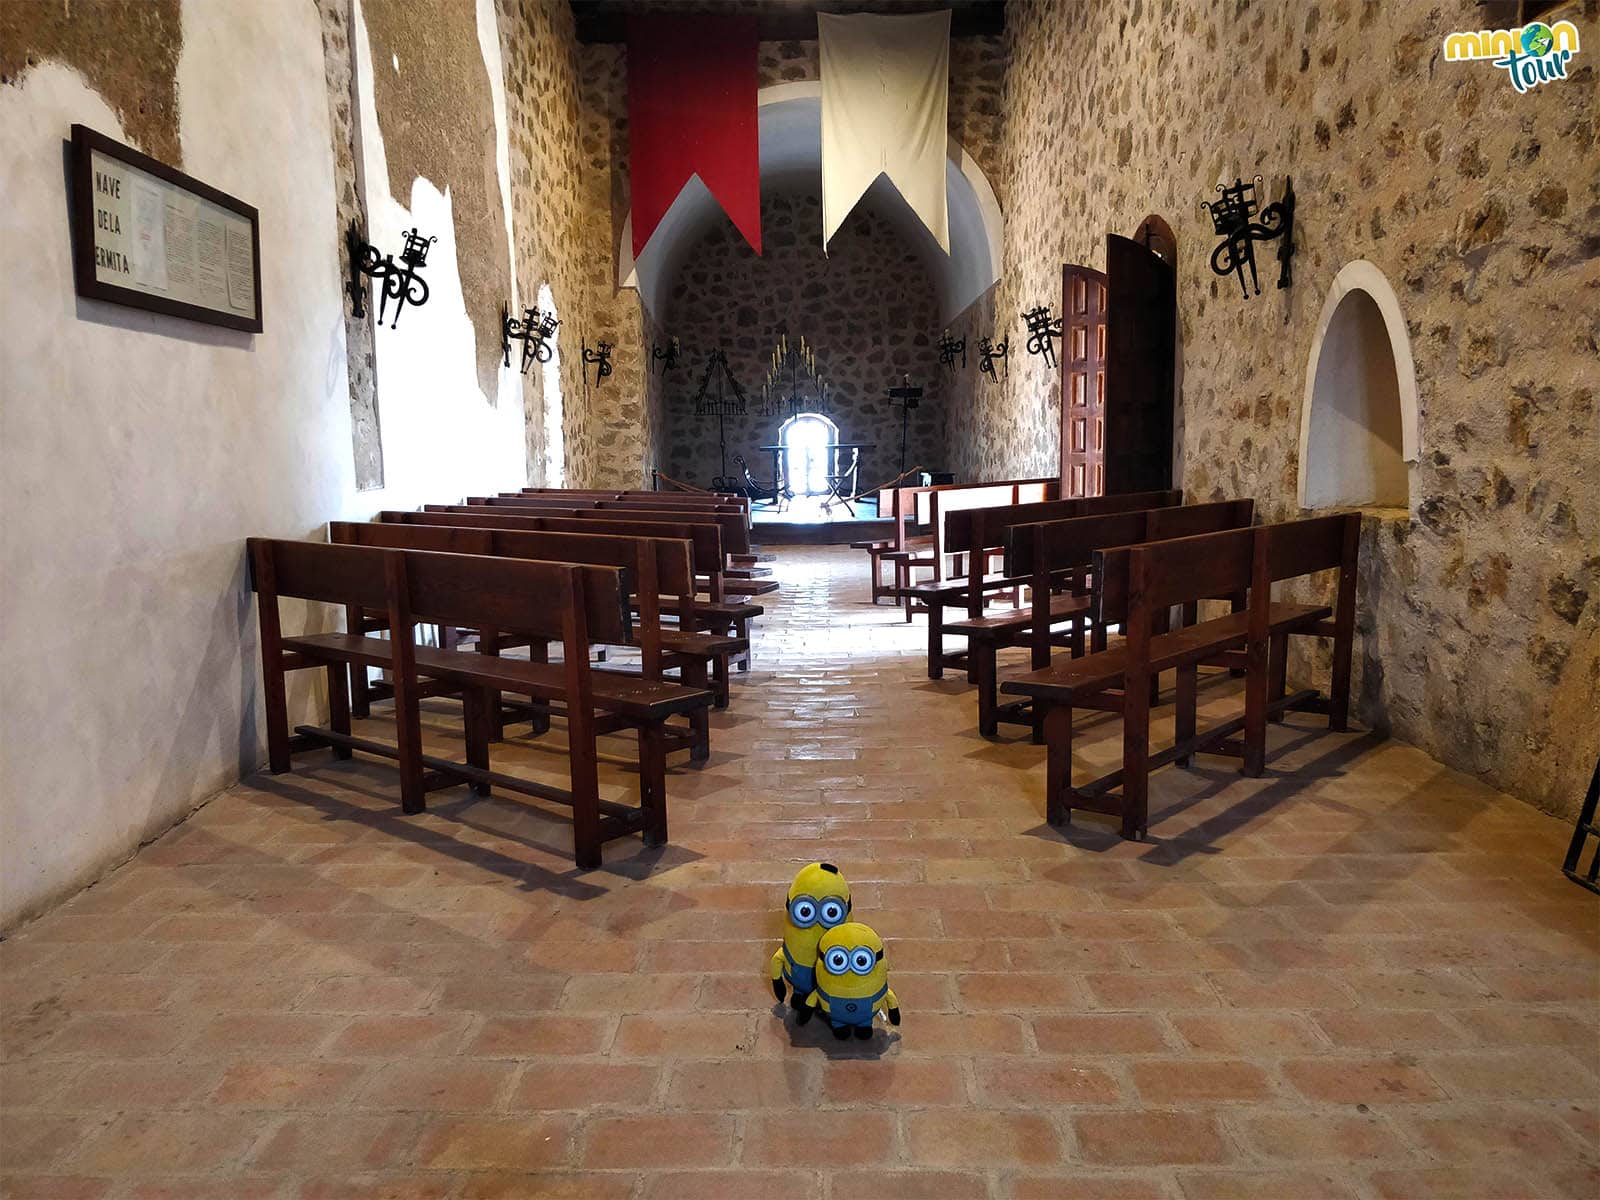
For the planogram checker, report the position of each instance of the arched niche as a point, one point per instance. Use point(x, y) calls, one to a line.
point(1156, 236)
point(1358, 421)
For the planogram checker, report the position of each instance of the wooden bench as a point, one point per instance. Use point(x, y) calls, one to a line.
point(1054, 557)
point(657, 568)
point(1134, 587)
point(716, 615)
point(983, 530)
point(562, 602)
point(930, 507)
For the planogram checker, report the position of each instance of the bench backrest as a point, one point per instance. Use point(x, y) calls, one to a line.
point(1051, 547)
point(705, 540)
point(735, 528)
point(979, 529)
point(538, 598)
point(1154, 576)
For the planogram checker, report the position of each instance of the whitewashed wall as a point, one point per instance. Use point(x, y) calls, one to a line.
point(138, 451)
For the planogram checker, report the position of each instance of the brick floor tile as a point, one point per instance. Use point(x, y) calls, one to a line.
point(1149, 1137)
point(400, 1034)
point(979, 1138)
point(204, 1140)
point(899, 1082)
point(436, 1084)
point(1139, 990)
point(1492, 1129)
point(1312, 1137)
point(286, 1084)
point(698, 1035)
point(1017, 990)
point(1100, 1033)
point(736, 1184)
point(476, 1142)
point(38, 1141)
point(1180, 1081)
point(1028, 1083)
point(565, 1083)
point(1251, 1033)
point(1264, 1185)
point(908, 1185)
point(1454, 1183)
point(1543, 1073)
point(55, 1187)
point(1361, 1081)
point(651, 1141)
point(1046, 1186)
point(838, 1139)
point(741, 1084)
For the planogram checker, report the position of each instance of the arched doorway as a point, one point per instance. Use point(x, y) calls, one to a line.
point(1358, 422)
point(807, 461)
point(555, 439)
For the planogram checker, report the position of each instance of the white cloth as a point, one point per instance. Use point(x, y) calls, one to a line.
point(885, 111)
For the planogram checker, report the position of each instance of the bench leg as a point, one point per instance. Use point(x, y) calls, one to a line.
point(719, 681)
point(653, 783)
point(1135, 755)
point(935, 640)
point(277, 700)
point(693, 674)
point(1339, 684)
point(902, 580)
point(408, 741)
point(742, 629)
point(360, 699)
point(339, 705)
point(1184, 715)
point(1277, 673)
point(477, 708)
point(1256, 686)
point(1057, 723)
point(981, 654)
point(585, 772)
point(539, 652)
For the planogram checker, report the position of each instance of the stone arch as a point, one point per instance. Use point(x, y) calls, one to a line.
point(1358, 419)
point(790, 119)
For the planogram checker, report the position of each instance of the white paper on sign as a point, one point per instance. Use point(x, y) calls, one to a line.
point(885, 111)
point(148, 248)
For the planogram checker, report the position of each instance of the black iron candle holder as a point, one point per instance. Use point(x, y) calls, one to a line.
point(907, 397)
point(667, 356)
point(1043, 330)
point(401, 282)
point(991, 352)
point(950, 349)
point(600, 358)
point(1234, 219)
point(533, 331)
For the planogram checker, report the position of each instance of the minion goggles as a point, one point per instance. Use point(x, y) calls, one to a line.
point(860, 961)
point(806, 911)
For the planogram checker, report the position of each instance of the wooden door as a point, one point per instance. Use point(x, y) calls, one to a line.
point(1083, 381)
point(1140, 350)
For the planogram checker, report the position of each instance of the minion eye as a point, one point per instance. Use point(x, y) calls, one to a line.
point(803, 911)
point(837, 960)
point(831, 912)
point(862, 960)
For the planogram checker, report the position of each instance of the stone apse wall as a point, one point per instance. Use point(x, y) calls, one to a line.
point(1480, 606)
point(868, 307)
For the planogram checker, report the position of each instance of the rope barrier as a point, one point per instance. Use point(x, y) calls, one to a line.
point(868, 491)
point(680, 485)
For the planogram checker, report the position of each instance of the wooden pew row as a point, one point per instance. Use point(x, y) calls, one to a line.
point(900, 506)
point(562, 602)
point(657, 568)
point(716, 615)
point(741, 566)
point(1054, 557)
point(1135, 586)
point(930, 508)
point(735, 531)
point(984, 530)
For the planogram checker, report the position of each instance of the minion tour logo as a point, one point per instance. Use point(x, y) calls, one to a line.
point(1534, 54)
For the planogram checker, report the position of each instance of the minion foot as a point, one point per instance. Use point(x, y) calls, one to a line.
point(841, 1032)
point(863, 1032)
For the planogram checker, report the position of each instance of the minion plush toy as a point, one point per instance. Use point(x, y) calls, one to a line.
point(819, 899)
point(852, 983)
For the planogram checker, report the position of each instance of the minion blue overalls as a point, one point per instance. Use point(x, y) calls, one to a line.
point(801, 977)
point(852, 1010)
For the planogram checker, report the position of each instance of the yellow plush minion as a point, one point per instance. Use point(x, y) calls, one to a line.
point(819, 900)
point(852, 982)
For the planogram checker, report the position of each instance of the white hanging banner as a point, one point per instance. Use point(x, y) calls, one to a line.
point(885, 111)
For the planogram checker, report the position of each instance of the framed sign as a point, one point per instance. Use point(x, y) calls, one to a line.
point(151, 237)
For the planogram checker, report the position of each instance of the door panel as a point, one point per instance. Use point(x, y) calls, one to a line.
point(1083, 381)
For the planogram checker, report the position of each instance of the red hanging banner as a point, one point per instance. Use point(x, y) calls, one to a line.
point(692, 111)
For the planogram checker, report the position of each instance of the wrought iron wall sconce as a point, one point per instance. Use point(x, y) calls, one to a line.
point(949, 349)
point(1043, 330)
point(667, 356)
point(534, 331)
point(990, 352)
point(600, 357)
point(1234, 219)
point(401, 282)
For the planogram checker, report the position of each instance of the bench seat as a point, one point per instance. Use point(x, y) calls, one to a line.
point(628, 696)
point(1012, 622)
point(1071, 678)
point(749, 587)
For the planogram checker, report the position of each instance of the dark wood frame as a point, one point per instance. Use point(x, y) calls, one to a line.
point(80, 214)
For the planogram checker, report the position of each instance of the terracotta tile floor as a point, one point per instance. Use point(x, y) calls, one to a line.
point(1361, 976)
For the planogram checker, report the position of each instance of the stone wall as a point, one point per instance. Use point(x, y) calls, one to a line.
point(618, 434)
point(1480, 610)
point(540, 53)
point(868, 307)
